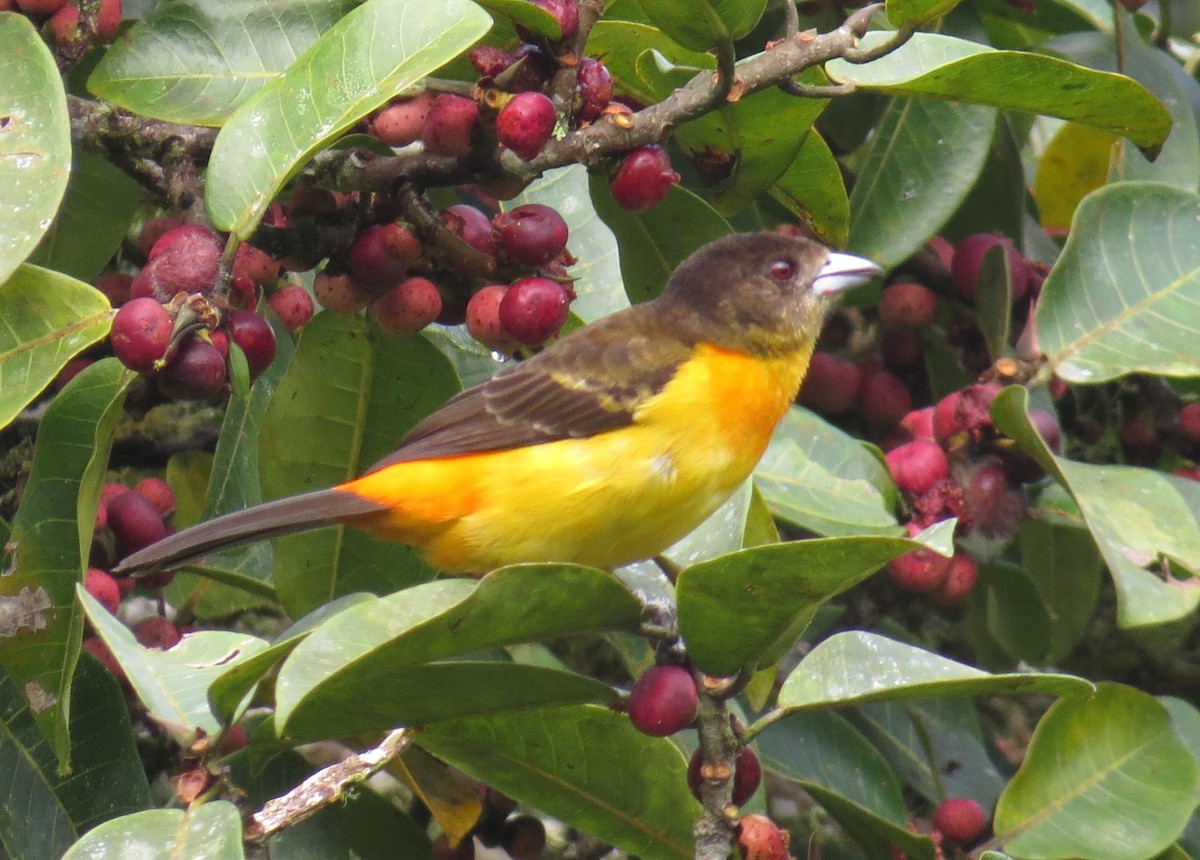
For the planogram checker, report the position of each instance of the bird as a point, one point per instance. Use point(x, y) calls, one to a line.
point(603, 449)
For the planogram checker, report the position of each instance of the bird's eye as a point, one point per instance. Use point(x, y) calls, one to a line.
point(783, 270)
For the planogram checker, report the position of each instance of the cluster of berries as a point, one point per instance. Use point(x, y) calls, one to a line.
point(61, 18)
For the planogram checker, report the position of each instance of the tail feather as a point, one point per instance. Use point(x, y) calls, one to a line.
point(272, 519)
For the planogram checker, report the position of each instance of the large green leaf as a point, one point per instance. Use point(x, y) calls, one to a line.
point(195, 61)
point(817, 477)
point(48, 318)
point(1064, 564)
point(35, 141)
point(525, 14)
point(377, 50)
point(40, 622)
point(43, 811)
point(209, 831)
point(348, 396)
point(813, 190)
point(1121, 297)
point(916, 12)
point(747, 608)
point(586, 766)
point(1105, 776)
point(936, 66)
point(700, 24)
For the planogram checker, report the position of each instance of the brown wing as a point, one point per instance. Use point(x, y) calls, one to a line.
point(590, 381)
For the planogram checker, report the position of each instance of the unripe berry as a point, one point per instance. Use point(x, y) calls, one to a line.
point(255, 337)
point(532, 234)
point(402, 122)
point(407, 308)
point(595, 88)
point(644, 179)
point(483, 318)
point(533, 309)
point(293, 305)
point(196, 372)
point(372, 263)
point(134, 522)
point(663, 701)
point(960, 819)
point(968, 260)
point(907, 305)
point(831, 384)
point(525, 124)
point(156, 632)
point(158, 493)
point(141, 332)
point(104, 588)
point(449, 125)
point(917, 465)
point(760, 839)
point(340, 293)
point(883, 398)
point(747, 774)
point(960, 580)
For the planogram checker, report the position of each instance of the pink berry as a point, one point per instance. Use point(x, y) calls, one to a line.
point(883, 398)
point(533, 309)
point(644, 179)
point(532, 234)
point(450, 125)
point(255, 265)
point(907, 305)
point(158, 493)
point(959, 581)
point(340, 293)
point(108, 19)
point(968, 260)
point(917, 465)
point(595, 88)
point(960, 818)
point(402, 122)
point(525, 124)
point(663, 701)
point(760, 839)
point(919, 423)
point(566, 14)
point(472, 225)
point(483, 318)
point(407, 308)
point(156, 632)
point(372, 263)
point(255, 337)
point(141, 332)
point(104, 588)
point(831, 384)
point(293, 305)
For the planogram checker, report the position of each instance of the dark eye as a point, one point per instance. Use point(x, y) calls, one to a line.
point(783, 270)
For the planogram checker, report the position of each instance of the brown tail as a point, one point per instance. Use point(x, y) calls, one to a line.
point(272, 519)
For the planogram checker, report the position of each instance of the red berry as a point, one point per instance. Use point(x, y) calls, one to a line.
point(566, 14)
point(156, 632)
point(760, 839)
point(1189, 421)
point(196, 372)
point(524, 837)
point(372, 263)
point(532, 234)
point(883, 398)
point(184, 259)
point(255, 265)
point(401, 122)
point(141, 332)
point(293, 305)
point(152, 230)
point(108, 19)
point(449, 125)
point(40, 7)
point(917, 465)
point(401, 242)
point(919, 423)
point(644, 179)
point(663, 701)
point(526, 123)
point(104, 588)
point(472, 225)
point(489, 60)
point(918, 570)
point(595, 88)
point(255, 337)
point(183, 241)
point(831, 384)
point(907, 305)
point(158, 493)
point(110, 491)
point(115, 285)
point(134, 521)
point(947, 423)
point(407, 308)
point(483, 318)
point(960, 819)
point(533, 309)
point(233, 739)
point(340, 293)
point(747, 774)
point(64, 24)
point(220, 340)
point(70, 370)
point(968, 260)
point(959, 581)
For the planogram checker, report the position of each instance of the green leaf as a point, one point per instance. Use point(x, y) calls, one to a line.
point(1105, 776)
point(1135, 539)
point(856, 666)
point(525, 14)
point(92, 222)
point(173, 684)
point(1065, 566)
point(1008, 604)
point(1120, 299)
point(936, 66)
point(813, 190)
point(41, 811)
point(374, 52)
point(361, 651)
point(923, 160)
point(585, 765)
point(780, 587)
point(347, 398)
point(48, 319)
point(700, 24)
point(993, 300)
point(40, 623)
point(620, 44)
point(917, 12)
point(817, 477)
point(210, 831)
point(35, 148)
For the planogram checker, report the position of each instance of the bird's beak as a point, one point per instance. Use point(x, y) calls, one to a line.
point(843, 272)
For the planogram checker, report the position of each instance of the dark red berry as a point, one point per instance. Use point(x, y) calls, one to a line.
point(372, 263)
point(407, 308)
point(115, 285)
point(960, 818)
point(959, 581)
point(489, 60)
point(158, 493)
point(402, 122)
point(472, 225)
point(104, 588)
point(340, 293)
point(883, 398)
point(644, 179)
point(566, 14)
point(524, 837)
point(525, 124)
point(759, 839)
point(532, 234)
point(901, 347)
point(917, 465)
point(449, 125)
point(293, 305)
point(40, 7)
point(141, 332)
point(255, 337)
point(993, 507)
point(1189, 421)
point(152, 230)
point(533, 309)
point(196, 372)
point(747, 774)
point(70, 370)
point(156, 632)
point(483, 318)
point(663, 701)
point(968, 260)
point(189, 257)
point(595, 88)
point(907, 305)
point(233, 739)
point(134, 521)
point(831, 384)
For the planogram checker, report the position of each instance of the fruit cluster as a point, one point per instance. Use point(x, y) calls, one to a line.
point(61, 18)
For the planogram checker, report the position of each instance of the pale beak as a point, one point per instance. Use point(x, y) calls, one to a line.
point(843, 272)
